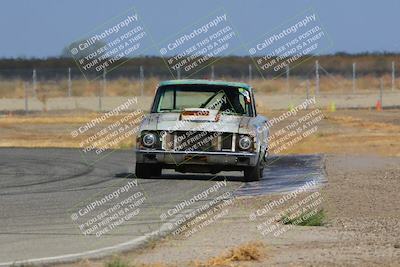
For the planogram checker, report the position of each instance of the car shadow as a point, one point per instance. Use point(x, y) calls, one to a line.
point(181, 176)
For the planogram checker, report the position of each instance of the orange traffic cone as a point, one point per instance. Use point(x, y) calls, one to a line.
point(378, 105)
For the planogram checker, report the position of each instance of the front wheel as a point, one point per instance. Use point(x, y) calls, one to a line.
point(253, 173)
point(156, 170)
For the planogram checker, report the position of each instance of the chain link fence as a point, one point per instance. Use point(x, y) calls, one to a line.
point(51, 88)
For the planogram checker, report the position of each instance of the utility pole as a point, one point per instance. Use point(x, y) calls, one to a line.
point(178, 73)
point(212, 72)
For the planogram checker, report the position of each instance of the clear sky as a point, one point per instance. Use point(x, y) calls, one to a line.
point(42, 28)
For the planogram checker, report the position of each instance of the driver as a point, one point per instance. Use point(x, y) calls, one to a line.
point(231, 101)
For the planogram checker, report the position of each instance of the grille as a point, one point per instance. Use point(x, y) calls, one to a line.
point(226, 142)
point(196, 141)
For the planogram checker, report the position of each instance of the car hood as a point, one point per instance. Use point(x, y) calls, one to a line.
point(173, 122)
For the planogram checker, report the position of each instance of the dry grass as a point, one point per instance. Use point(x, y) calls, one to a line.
point(352, 132)
point(253, 251)
point(359, 123)
point(50, 130)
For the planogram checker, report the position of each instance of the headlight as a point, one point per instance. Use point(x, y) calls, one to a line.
point(245, 142)
point(149, 139)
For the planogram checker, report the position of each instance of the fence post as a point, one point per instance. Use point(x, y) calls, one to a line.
point(307, 89)
point(393, 76)
point(34, 79)
point(100, 95)
point(287, 78)
point(354, 77)
point(69, 83)
point(250, 73)
point(141, 79)
point(381, 93)
point(104, 82)
point(316, 77)
point(26, 97)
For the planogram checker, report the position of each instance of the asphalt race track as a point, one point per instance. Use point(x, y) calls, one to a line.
point(47, 197)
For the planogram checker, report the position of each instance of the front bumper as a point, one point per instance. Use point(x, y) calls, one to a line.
point(196, 157)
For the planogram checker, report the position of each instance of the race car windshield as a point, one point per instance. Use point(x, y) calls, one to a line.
point(228, 100)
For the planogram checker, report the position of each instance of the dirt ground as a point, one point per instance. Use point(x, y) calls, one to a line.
point(361, 202)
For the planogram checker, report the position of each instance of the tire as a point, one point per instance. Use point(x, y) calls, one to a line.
point(253, 173)
point(156, 170)
point(143, 170)
point(261, 172)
